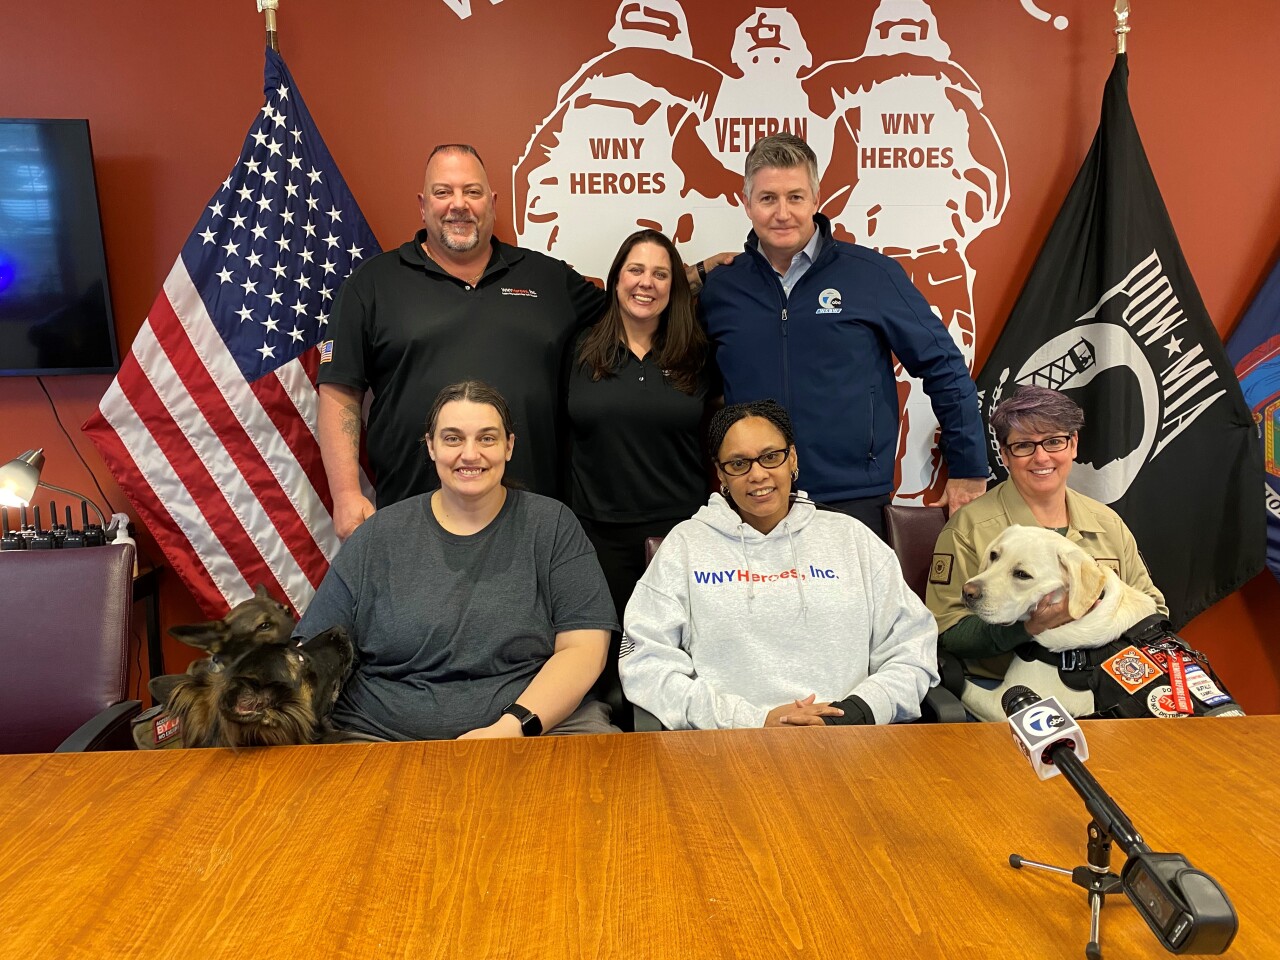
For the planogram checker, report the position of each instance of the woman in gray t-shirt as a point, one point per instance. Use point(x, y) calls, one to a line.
point(476, 610)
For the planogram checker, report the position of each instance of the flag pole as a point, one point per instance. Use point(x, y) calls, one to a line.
point(269, 8)
point(1122, 24)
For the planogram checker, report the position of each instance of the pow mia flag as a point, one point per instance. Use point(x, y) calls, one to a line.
point(1111, 317)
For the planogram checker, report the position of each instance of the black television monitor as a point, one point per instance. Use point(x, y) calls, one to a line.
point(55, 305)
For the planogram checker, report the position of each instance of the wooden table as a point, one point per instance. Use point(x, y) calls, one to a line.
point(828, 843)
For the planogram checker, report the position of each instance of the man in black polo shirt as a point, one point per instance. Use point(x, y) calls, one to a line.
point(452, 304)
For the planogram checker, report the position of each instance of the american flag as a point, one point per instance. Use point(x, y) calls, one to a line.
point(210, 426)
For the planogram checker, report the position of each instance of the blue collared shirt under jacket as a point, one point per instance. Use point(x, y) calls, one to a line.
point(801, 263)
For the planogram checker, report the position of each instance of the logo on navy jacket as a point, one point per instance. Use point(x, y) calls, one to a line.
point(829, 301)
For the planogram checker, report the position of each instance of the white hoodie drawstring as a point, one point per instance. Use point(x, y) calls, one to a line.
point(746, 563)
point(795, 565)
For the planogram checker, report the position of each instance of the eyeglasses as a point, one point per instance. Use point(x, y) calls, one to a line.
point(740, 466)
point(1025, 448)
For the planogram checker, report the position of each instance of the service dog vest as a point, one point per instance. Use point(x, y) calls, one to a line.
point(1149, 671)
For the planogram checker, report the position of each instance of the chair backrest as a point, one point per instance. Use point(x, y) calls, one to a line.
point(64, 641)
point(912, 532)
point(651, 545)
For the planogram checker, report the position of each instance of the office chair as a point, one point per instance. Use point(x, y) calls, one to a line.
point(608, 689)
point(912, 533)
point(64, 646)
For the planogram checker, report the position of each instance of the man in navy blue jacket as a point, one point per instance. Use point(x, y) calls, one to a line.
point(811, 321)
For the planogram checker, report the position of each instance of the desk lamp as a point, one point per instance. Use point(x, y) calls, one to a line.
point(20, 477)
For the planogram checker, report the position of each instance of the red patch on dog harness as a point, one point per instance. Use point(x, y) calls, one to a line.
point(1178, 681)
point(165, 727)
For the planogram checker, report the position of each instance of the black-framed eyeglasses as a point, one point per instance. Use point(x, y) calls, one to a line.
point(740, 466)
point(1025, 448)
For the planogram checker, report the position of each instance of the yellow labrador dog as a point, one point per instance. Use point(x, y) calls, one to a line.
point(1025, 565)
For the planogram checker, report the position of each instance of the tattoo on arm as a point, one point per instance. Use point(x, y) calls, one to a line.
point(350, 423)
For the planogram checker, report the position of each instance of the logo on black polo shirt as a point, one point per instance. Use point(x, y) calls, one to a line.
point(829, 301)
point(519, 292)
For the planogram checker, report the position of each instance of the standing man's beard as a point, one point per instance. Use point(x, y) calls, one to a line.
point(460, 244)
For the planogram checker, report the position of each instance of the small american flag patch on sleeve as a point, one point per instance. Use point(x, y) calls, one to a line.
point(326, 351)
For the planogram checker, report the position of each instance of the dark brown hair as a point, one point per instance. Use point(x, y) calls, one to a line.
point(680, 343)
point(475, 391)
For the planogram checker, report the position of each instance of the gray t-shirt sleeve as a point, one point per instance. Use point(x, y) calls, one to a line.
point(580, 598)
point(333, 604)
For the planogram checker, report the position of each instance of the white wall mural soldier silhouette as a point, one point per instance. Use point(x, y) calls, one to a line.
point(917, 172)
point(621, 151)
point(648, 135)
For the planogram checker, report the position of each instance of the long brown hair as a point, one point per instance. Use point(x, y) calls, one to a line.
point(680, 343)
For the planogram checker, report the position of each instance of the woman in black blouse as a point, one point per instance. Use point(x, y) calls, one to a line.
point(638, 390)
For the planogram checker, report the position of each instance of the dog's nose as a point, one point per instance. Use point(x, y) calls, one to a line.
point(972, 591)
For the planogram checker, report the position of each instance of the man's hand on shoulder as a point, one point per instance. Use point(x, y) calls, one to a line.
point(958, 492)
point(696, 273)
point(349, 513)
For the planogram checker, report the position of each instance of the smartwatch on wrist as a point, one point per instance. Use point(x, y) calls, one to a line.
point(530, 725)
point(702, 272)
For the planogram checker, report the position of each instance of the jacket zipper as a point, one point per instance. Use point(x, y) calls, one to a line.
point(786, 362)
point(871, 425)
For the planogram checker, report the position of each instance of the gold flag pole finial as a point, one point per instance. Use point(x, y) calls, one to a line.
point(1122, 24)
point(269, 8)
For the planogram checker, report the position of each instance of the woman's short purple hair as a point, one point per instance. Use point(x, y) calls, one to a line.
point(1036, 410)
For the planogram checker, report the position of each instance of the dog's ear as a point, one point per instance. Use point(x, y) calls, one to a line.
point(204, 665)
point(260, 592)
point(161, 688)
point(210, 636)
point(1084, 578)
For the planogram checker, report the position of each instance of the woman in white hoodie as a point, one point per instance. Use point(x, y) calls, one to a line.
point(763, 611)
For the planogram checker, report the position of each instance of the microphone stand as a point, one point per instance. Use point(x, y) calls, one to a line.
point(1108, 824)
point(1096, 877)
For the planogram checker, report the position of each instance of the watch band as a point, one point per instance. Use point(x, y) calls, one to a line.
point(530, 724)
point(702, 272)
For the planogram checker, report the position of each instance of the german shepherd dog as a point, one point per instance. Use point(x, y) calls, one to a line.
point(257, 687)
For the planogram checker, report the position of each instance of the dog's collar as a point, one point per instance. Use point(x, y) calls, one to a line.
point(1068, 661)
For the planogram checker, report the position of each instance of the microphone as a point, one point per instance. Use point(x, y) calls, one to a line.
point(1051, 739)
point(1039, 725)
point(1185, 908)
